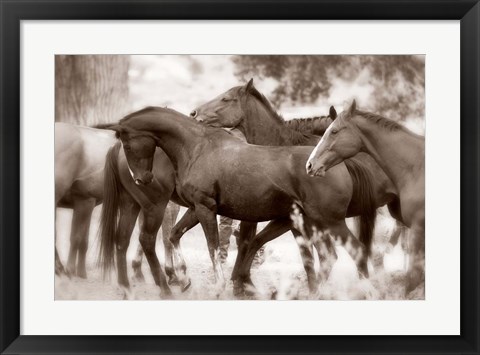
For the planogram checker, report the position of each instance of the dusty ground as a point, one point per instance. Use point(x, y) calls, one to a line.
point(282, 272)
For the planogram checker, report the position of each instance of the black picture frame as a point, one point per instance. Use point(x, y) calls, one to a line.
point(13, 12)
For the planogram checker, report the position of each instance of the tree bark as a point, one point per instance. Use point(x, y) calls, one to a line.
point(91, 89)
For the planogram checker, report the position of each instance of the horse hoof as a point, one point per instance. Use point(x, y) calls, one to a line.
point(62, 272)
point(173, 281)
point(250, 291)
point(129, 295)
point(82, 274)
point(138, 277)
point(69, 272)
point(187, 285)
point(238, 289)
point(219, 288)
point(166, 295)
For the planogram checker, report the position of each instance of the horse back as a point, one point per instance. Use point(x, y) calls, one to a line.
point(79, 160)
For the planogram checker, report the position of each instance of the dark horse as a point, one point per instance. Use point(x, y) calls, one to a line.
point(217, 173)
point(246, 109)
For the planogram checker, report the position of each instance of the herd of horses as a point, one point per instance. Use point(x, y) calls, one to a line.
point(328, 168)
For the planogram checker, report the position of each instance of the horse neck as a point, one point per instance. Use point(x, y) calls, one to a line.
point(397, 151)
point(260, 126)
point(176, 138)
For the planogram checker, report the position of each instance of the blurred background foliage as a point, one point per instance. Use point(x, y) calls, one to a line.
point(395, 82)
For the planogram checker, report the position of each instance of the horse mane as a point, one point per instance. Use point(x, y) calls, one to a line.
point(260, 97)
point(304, 125)
point(383, 122)
point(296, 136)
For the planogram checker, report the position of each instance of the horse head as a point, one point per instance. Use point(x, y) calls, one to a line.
point(226, 110)
point(339, 142)
point(139, 148)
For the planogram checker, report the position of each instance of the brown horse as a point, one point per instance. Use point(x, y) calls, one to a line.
point(246, 109)
point(218, 173)
point(400, 153)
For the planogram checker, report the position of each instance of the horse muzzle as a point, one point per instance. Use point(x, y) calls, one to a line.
point(315, 171)
point(145, 179)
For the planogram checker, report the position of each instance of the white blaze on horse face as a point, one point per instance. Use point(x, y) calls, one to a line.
point(131, 173)
point(315, 150)
point(130, 170)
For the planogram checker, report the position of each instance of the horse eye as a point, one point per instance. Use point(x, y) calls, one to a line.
point(225, 99)
point(334, 131)
point(126, 147)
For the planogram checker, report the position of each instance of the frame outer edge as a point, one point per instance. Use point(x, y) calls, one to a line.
point(10, 176)
point(10, 15)
point(470, 177)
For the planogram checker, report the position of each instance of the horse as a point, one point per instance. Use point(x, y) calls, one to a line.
point(246, 109)
point(80, 157)
point(400, 153)
point(217, 173)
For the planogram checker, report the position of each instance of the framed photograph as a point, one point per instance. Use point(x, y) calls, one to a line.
point(239, 177)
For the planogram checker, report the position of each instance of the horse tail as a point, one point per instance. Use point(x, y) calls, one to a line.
point(110, 211)
point(364, 197)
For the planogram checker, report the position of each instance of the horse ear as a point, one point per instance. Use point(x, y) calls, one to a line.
point(332, 113)
point(249, 85)
point(352, 109)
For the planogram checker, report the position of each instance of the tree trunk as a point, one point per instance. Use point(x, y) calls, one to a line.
point(91, 89)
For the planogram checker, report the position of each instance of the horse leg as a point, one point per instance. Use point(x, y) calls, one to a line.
point(208, 220)
point(405, 243)
point(306, 237)
point(137, 265)
point(304, 243)
point(169, 219)
point(187, 222)
point(82, 214)
point(60, 191)
point(416, 265)
point(59, 269)
point(128, 215)
point(274, 229)
point(152, 220)
point(247, 233)
point(342, 236)
point(327, 255)
point(138, 258)
point(400, 230)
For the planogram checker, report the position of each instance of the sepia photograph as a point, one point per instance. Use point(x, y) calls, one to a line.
point(239, 177)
